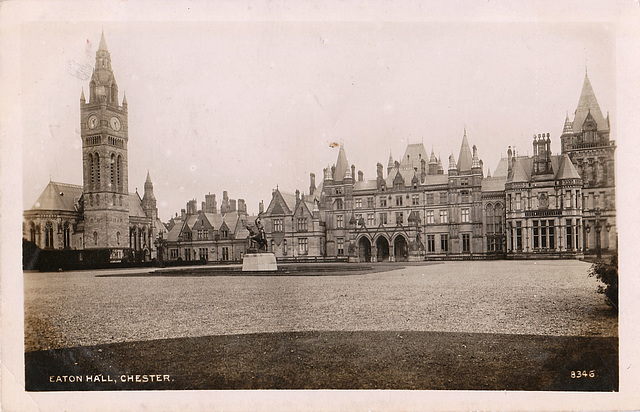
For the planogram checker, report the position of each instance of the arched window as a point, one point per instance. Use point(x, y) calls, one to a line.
point(48, 235)
point(32, 232)
point(97, 163)
point(118, 238)
point(120, 200)
point(95, 238)
point(284, 247)
point(119, 174)
point(113, 172)
point(92, 170)
point(66, 235)
point(339, 204)
point(498, 218)
point(97, 200)
point(489, 217)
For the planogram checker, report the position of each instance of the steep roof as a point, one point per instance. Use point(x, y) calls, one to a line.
point(58, 196)
point(465, 160)
point(135, 206)
point(521, 170)
point(341, 165)
point(566, 170)
point(493, 184)
point(588, 103)
point(103, 43)
point(365, 185)
point(502, 170)
point(412, 157)
point(174, 233)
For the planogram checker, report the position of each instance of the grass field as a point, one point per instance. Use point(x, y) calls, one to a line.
point(456, 325)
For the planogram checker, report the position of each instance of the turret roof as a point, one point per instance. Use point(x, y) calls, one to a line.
point(341, 165)
point(566, 169)
point(413, 155)
point(103, 43)
point(588, 103)
point(465, 159)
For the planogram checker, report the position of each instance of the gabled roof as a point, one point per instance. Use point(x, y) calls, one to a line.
point(502, 170)
point(58, 196)
point(279, 204)
point(521, 170)
point(406, 174)
point(412, 157)
point(566, 170)
point(465, 160)
point(493, 184)
point(174, 233)
point(135, 206)
point(588, 103)
point(215, 220)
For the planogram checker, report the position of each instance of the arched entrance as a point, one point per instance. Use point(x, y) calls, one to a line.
point(364, 250)
point(400, 249)
point(382, 246)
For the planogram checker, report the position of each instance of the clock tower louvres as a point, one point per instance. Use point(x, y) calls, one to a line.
point(104, 132)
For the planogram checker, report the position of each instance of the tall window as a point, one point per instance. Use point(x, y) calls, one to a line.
point(430, 217)
point(119, 175)
point(97, 162)
point(303, 246)
point(383, 218)
point(489, 218)
point(95, 238)
point(112, 166)
point(48, 235)
point(399, 200)
point(92, 170)
point(383, 201)
point(370, 202)
point(465, 196)
point(415, 200)
point(444, 243)
point(118, 238)
point(497, 218)
point(284, 247)
point(302, 224)
point(519, 235)
point(340, 246)
point(569, 234)
point(443, 198)
point(339, 221)
point(66, 235)
point(551, 231)
point(277, 225)
point(225, 252)
point(32, 232)
point(465, 242)
point(431, 243)
point(339, 204)
point(518, 201)
point(465, 215)
point(444, 216)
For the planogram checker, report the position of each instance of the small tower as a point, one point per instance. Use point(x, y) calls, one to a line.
point(453, 169)
point(390, 164)
point(542, 154)
point(433, 163)
point(149, 206)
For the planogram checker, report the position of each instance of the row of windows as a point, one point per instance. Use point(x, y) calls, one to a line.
point(115, 167)
point(543, 235)
point(301, 225)
point(430, 199)
point(430, 216)
point(519, 201)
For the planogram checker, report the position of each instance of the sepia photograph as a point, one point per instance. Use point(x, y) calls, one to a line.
point(264, 201)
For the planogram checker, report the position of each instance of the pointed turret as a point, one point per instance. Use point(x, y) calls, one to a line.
point(465, 160)
point(588, 103)
point(475, 161)
point(103, 43)
point(342, 165)
point(390, 163)
point(440, 167)
point(489, 172)
point(124, 99)
point(568, 125)
point(452, 164)
point(82, 98)
point(149, 199)
point(433, 163)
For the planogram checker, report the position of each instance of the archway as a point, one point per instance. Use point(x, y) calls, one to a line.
point(364, 250)
point(400, 249)
point(382, 245)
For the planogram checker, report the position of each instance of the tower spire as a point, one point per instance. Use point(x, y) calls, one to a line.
point(103, 43)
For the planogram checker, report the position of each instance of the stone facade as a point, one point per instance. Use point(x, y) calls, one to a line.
point(100, 214)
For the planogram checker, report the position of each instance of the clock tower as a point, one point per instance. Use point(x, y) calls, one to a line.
point(104, 132)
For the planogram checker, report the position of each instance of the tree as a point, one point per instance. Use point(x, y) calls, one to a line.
point(607, 273)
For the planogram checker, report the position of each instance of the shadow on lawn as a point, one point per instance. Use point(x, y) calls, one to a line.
point(334, 360)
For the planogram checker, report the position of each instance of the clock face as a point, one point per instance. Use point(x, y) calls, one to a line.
point(92, 121)
point(115, 123)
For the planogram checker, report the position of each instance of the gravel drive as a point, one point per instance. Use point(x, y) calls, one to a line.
point(511, 297)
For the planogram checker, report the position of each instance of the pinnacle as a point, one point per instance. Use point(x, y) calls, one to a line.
point(103, 43)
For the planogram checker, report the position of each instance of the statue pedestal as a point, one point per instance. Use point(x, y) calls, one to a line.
point(259, 262)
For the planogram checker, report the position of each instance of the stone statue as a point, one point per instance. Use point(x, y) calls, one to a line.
point(257, 239)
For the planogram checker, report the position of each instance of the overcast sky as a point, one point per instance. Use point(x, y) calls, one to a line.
point(249, 106)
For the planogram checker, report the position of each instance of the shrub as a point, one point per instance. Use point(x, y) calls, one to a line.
point(607, 273)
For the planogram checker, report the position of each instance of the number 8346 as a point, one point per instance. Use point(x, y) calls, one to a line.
point(583, 374)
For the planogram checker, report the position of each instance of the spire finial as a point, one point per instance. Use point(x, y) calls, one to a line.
point(103, 42)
